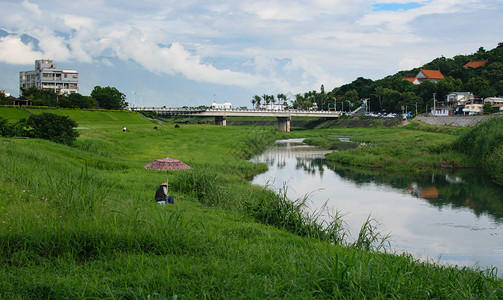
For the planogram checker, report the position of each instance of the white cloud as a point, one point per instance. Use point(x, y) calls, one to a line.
point(14, 51)
point(172, 60)
point(408, 63)
point(263, 46)
point(78, 22)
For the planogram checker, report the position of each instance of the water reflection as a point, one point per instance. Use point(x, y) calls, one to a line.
point(460, 189)
point(454, 218)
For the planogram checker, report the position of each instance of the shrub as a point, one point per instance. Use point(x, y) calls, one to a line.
point(11, 130)
point(56, 128)
point(484, 143)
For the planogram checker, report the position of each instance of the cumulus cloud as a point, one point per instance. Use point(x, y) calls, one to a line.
point(244, 43)
point(14, 51)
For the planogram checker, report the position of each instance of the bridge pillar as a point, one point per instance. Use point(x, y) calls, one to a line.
point(221, 121)
point(284, 124)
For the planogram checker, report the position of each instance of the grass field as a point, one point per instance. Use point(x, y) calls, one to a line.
point(414, 148)
point(81, 222)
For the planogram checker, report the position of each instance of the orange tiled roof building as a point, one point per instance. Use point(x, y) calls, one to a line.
point(475, 64)
point(430, 75)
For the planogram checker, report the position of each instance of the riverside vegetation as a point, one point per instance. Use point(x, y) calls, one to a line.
point(418, 147)
point(80, 222)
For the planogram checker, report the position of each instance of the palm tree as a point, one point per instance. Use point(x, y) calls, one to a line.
point(257, 100)
point(266, 99)
point(379, 92)
point(282, 98)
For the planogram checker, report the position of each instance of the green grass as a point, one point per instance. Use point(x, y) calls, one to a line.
point(80, 222)
point(13, 114)
point(408, 149)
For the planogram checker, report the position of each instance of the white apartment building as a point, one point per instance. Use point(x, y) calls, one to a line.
point(459, 98)
point(47, 77)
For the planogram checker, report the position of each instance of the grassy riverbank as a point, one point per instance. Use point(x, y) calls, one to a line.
point(412, 148)
point(80, 222)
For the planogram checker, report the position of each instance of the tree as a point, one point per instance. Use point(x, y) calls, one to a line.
point(379, 92)
point(56, 128)
point(448, 85)
point(272, 98)
point(42, 97)
point(351, 97)
point(256, 100)
point(298, 102)
point(3, 98)
point(109, 97)
point(282, 99)
point(488, 109)
point(391, 100)
point(5, 129)
point(480, 87)
point(77, 100)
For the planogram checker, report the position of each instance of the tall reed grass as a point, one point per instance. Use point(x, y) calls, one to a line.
point(484, 144)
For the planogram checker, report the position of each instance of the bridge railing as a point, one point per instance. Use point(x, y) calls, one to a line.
point(195, 110)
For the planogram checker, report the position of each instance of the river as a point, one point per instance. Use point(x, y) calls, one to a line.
point(454, 219)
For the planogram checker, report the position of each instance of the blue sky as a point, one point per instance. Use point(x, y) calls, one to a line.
point(175, 53)
point(397, 6)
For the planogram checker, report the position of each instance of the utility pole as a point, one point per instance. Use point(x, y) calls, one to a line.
point(434, 104)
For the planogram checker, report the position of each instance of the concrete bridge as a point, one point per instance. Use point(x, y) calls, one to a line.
point(220, 115)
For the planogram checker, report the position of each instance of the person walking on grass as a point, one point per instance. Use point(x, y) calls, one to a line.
point(161, 194)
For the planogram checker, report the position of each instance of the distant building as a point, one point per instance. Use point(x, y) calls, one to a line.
point(272, 106)
point(414, 80)
point(496, 102)
point(426, 75)
point(47, 77)
point(225, 105)
point(430, 75)
point(475, 64)
point(473, 109)
point(459, 98)
point(442, 111)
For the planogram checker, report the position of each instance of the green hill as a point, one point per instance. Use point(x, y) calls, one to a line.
point(394, 94)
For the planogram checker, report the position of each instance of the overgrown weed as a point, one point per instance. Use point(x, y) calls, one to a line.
point(272, 206)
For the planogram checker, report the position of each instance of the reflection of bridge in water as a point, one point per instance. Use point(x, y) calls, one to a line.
point(307, 157)
point(220, 115)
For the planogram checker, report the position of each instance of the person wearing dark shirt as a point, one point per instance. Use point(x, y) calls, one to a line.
point(161, 194)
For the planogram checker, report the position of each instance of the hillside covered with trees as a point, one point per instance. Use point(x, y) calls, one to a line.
point(391, 93)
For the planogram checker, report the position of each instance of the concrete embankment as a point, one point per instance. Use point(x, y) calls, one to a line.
point(464, 121)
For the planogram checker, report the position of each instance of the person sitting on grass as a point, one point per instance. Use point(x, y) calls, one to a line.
point(161, 194)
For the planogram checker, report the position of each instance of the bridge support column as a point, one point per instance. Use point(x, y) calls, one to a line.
point(284, 124)
point(221, 121)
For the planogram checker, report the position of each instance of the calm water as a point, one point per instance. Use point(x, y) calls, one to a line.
point(454, 219)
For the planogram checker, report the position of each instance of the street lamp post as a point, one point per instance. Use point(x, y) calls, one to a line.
point(434, 104)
